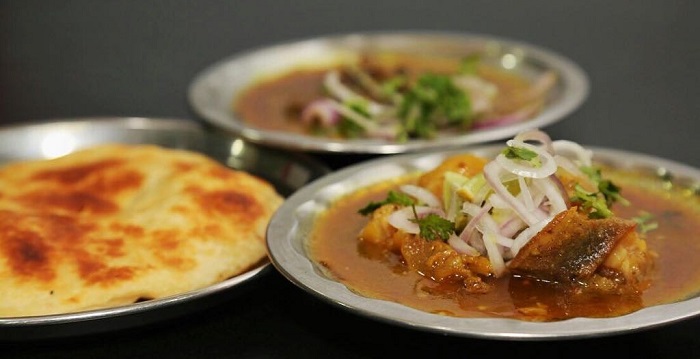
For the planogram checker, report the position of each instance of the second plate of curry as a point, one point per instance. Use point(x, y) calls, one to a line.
point(388, 92)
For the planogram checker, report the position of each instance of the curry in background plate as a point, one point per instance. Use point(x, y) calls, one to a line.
point(539, 233)
point(393, 97)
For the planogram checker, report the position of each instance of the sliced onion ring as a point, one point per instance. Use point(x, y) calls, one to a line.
point(323, 112)
point(404, 218)
point(583, 157)
point(536, 135)
point(422, 195)
point(548, 165)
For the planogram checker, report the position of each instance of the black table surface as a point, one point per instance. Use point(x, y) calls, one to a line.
point(80, 58)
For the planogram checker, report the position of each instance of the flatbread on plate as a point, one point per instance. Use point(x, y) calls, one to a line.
point(114, 224)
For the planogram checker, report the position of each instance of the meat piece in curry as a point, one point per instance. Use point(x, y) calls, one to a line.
point(574, 249)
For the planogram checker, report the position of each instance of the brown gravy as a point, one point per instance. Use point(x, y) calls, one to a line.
point(334, 246)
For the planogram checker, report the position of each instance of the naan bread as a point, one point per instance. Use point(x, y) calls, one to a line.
point(114, 224)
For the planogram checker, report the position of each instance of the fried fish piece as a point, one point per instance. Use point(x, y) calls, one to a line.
point(571, 248)
point(114, 224)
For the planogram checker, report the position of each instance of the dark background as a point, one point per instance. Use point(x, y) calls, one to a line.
point(68, 59)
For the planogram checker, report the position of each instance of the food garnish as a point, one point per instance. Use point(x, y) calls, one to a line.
point(520, 210)
point(392, 197)
point(645, 222)
point(433, 226)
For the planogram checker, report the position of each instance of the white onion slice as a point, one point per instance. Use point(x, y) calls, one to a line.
point(365, 122)
point(323, 111)
point(568, 165)
point(527, 234)
point(475, 212)
point(497, 201)
point(538, 212)
point(491, 174)
point(551, 190)
point(536, 135)
point(404, 218)
point(495, 257)
point(488, 224)
point(459, 245)
point(469, 233)
point(569, 149)
point(481, 93)
point(332, 84)
point(511, 226)
point(422, 195)
point(525, 194)
point(522, 168)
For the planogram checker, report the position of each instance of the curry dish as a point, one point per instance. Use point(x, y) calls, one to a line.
point(539, 233)
point(393, 97)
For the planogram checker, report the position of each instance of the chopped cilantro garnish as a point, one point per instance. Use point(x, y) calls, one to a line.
point(434, 227)
point(431, 226)
point(592, 172)
point(392, 197)
point(524, 154)
point(350, 129)
point(432, 102)
point(645, 223)
point(591, 202)
point(393, 85)
point(609, 190)
point(598, 204)
point(358, 105)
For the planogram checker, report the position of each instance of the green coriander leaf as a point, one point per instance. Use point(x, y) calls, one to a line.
point(432, 102)
point(592, 172)
point(523, 154)
point(591, 203)
point(393, 85)
point(358, 105)
point(609, 190)
point(645, 223)
point(433, 227)
point(350, 129)
point(393, 197)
